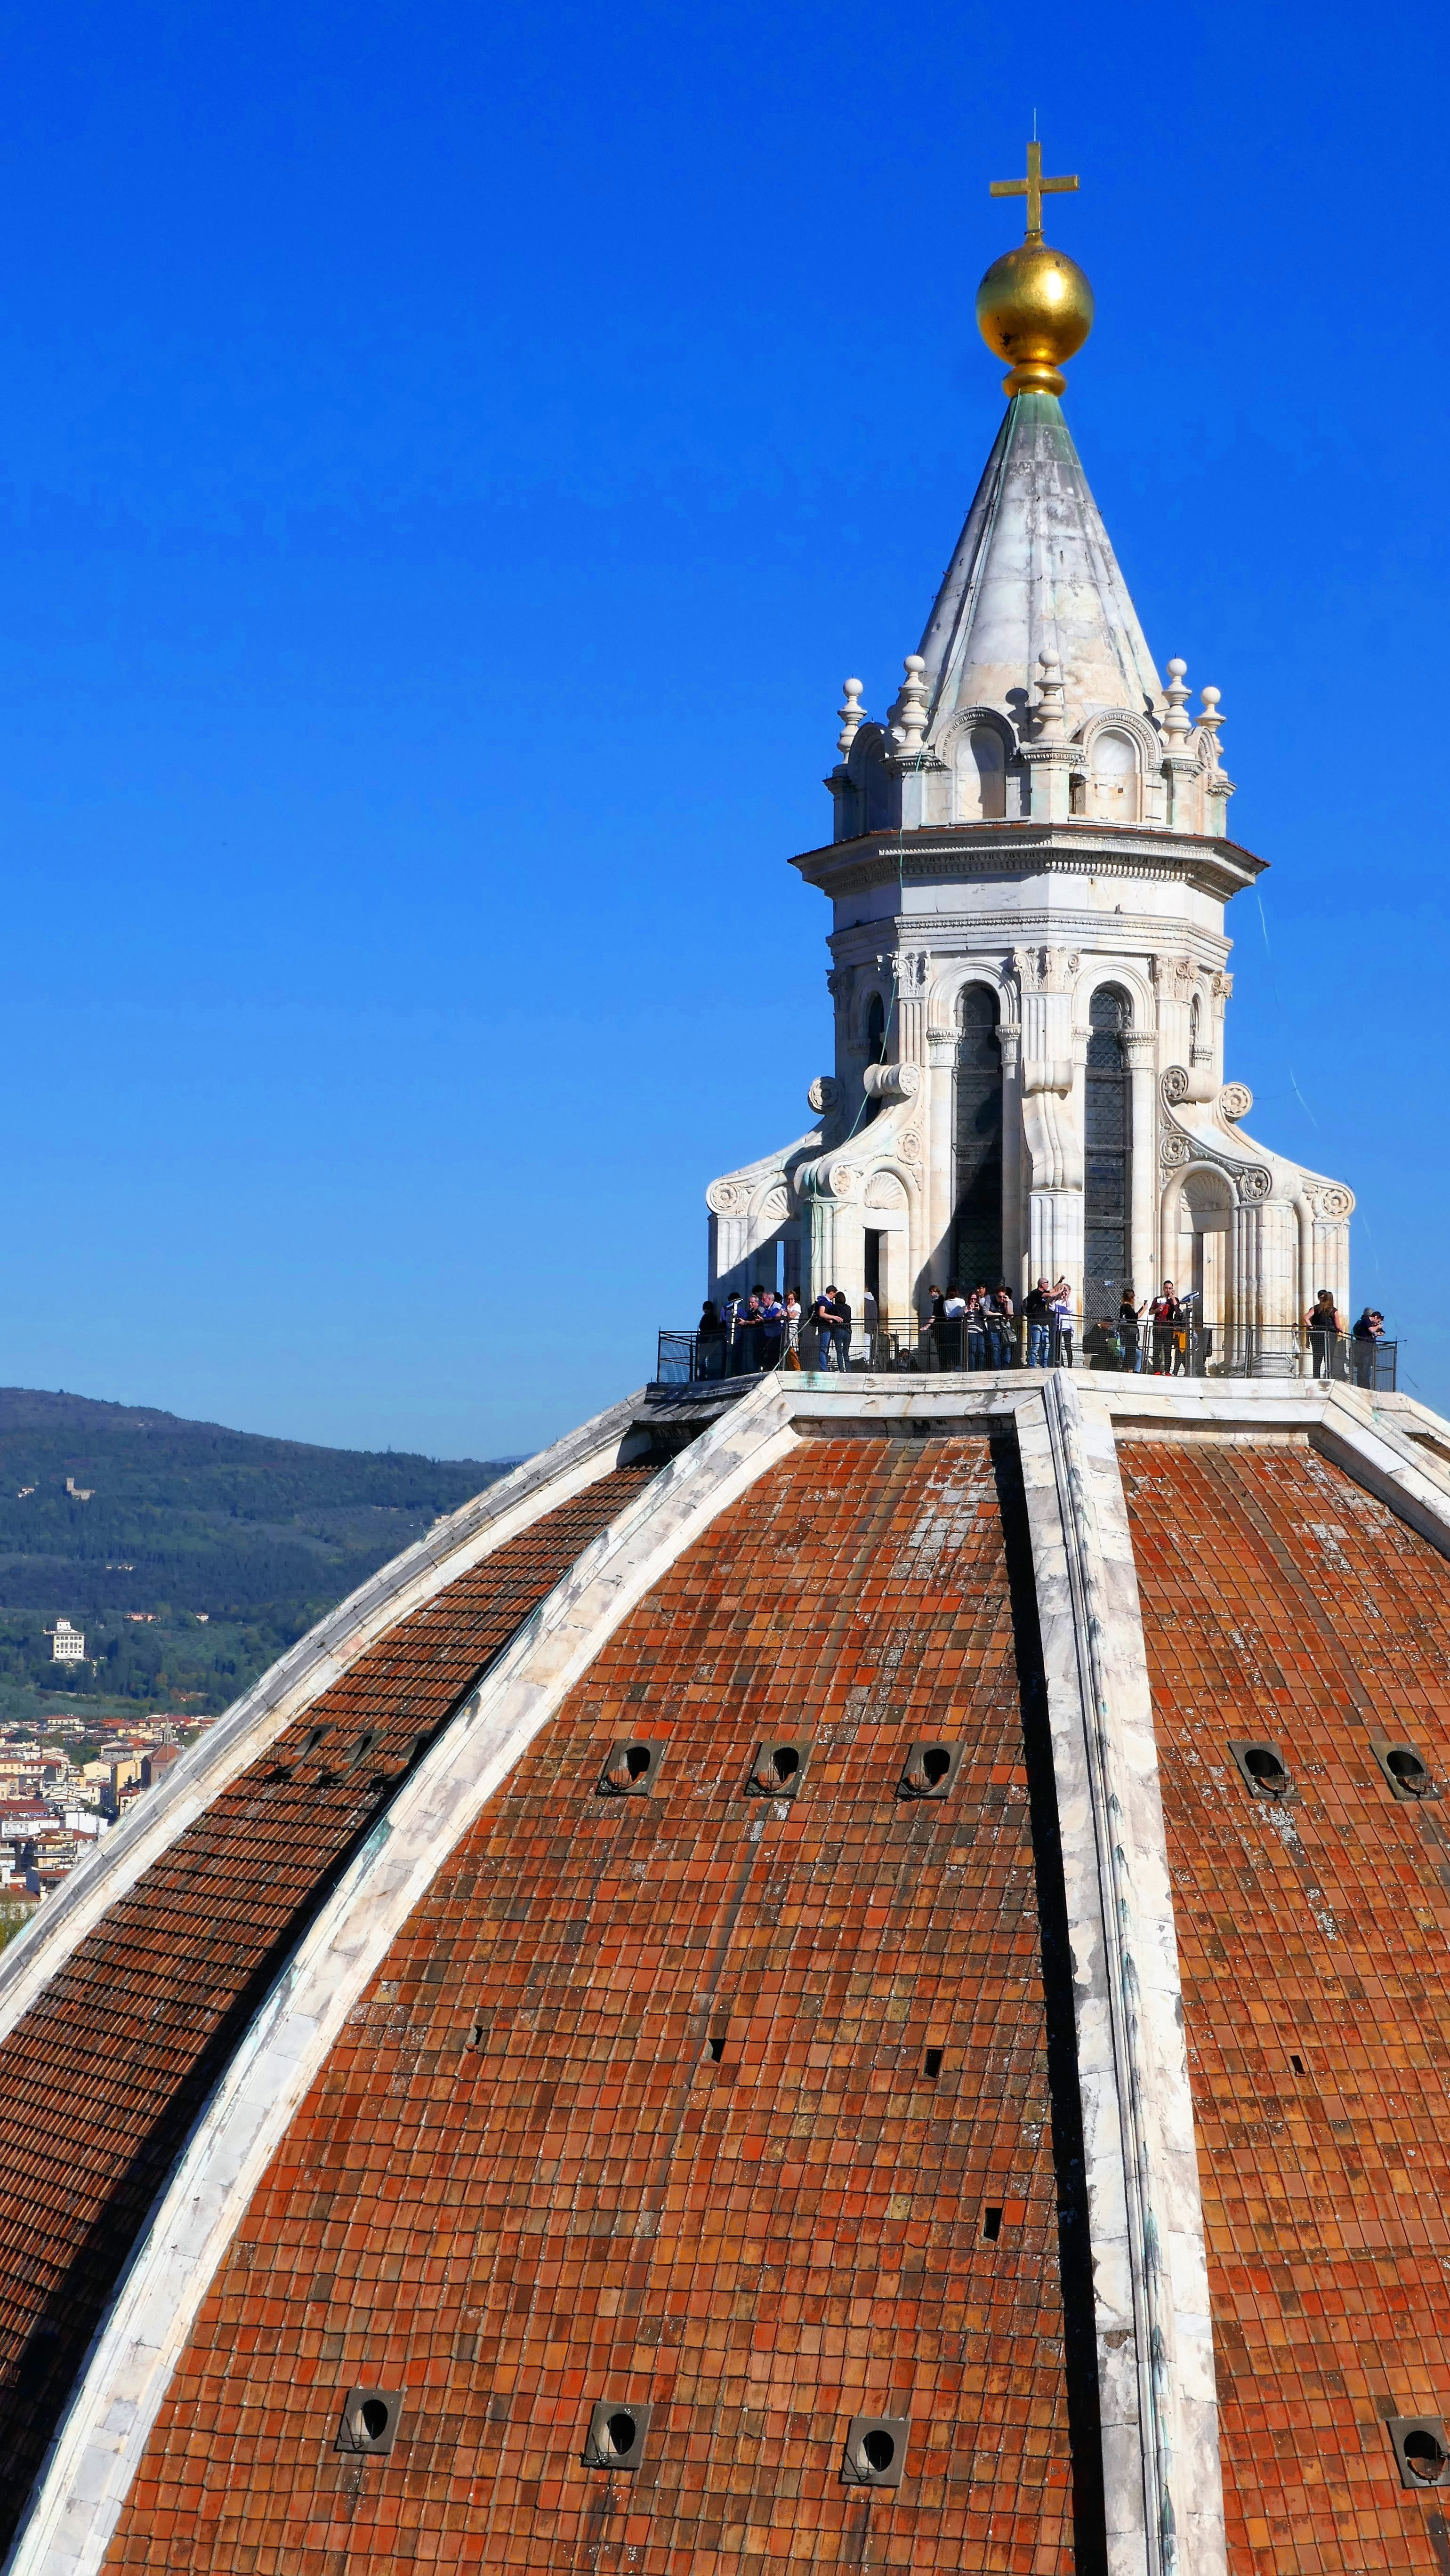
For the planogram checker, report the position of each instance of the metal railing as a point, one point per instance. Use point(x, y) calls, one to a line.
point(702, 1358)
point(1189, 1348)
point(1183, 1349)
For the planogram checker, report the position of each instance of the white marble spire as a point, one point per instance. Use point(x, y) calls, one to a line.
point(1034, 572)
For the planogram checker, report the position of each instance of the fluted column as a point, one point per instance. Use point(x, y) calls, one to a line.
point(1014, 1231)
point(941, 1077)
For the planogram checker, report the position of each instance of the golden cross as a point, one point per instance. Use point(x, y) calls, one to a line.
point(1034, 188)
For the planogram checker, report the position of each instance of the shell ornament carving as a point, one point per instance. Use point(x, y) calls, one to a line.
point(1235, 1100)
point(1174, 1085)
point(1255, 1183)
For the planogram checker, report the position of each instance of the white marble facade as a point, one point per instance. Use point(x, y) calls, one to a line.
point(1039, 818)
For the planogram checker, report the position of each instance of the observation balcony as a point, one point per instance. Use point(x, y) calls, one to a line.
point(1184, 1349)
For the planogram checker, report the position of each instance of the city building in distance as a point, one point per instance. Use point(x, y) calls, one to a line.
point(846, 1967)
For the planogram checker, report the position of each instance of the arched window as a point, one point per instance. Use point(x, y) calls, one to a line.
point(875, 1034)
point(1115, 777)
point(977, 1232)
point(1108, 1177)
point(1197, 1051)
point(981, 766)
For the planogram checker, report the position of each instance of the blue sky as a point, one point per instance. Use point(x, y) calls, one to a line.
point(448, 459)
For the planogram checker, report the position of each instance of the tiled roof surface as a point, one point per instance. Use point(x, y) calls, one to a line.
point(588, 2206)
point(1282, 1602)
point(101, 2080)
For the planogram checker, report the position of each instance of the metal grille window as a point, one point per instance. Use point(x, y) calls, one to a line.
point(1108, 1137)
point(875, 1053)
point(977, 1235)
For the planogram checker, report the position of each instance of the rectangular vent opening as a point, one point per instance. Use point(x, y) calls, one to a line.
point(931, 2064)
point(991, 2225)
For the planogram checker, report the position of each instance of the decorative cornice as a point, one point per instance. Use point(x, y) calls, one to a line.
point(1074, 846)
point(1135, 934)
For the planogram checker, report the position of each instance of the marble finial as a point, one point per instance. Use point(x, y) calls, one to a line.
point(1049, 708)
point(852, 715)
point(1210, 720)
point(1175, 723)
point(910, 708)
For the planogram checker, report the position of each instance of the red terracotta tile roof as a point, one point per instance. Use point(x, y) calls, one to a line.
point(1282, 1602)
point(102, 2079)
point(587, 2204)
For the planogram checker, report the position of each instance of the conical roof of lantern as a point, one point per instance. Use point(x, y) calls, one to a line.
point(1033, 572)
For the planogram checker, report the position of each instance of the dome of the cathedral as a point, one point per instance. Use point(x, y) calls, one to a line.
point(1035, 309)
point(843, 1969)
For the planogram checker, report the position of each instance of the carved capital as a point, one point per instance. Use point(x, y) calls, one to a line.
point(1174, 977)
point(1046, 970)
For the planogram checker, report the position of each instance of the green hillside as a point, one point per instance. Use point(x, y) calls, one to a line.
point(200, 1554)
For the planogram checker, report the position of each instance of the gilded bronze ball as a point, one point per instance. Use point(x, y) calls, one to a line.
point(1035, 308)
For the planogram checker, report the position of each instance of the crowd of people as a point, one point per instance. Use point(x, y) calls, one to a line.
point(978, 1327)
point(1157, 1336)
point(763, 1331)
point(1324, 1327)
point(981, 1328)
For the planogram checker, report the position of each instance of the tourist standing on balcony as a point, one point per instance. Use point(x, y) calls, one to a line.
point(772, 1325)
point(976, 1328)
point(823, 1317)
point(954, 1327)
point(751, 1336)
point(1062, 1325)
point(710, 1342)
point(1368, 1330)
point(840, 1328)
point(1325, 1326)
point(1130, 1338)
point(1163, 1315)
point(791, 1331)
point(999, 1327)
point(731, 1322)
point(1037, 1315)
